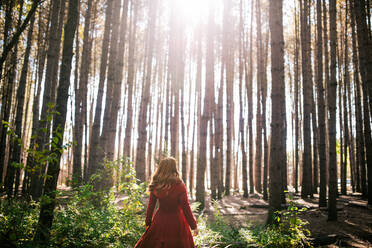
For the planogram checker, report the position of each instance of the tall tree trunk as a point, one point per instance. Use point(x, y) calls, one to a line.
point(296, 102)
point(107, 135)
point(258, 158)
point(43, 32)
point(326, 78)
point(277, 147)
point(365, 60)
point(249, 86)
point(241, 104)
point(209, 61)
point(306, 190)
point(16, 154)
point(130, 83)
point(332, 88)
point(48, 203)
point(321, 110)
point(81, 98)
point(12, 168)
point(265, 143)
point(229, 58)
point(207, 112)
point(346, 121)
point(199, 64)
point(48, 100)
point(368, 147)
point(7, 90)
point(142, 124)
point(118, 70)
point(95, 145)
point(355, 148)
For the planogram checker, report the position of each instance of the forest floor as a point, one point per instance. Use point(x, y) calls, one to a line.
point(352, 229)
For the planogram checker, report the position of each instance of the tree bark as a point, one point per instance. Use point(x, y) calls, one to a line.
point(95, 145)
point(142, 125)
point(365, 60)
point(48, 203)
point(258, 158)
point(306, 190)
point(81, 98)
point(277, 147)
point(249, 86)
point(345, 109)
point(332, 88)
point(48, 100)
point(16, 154)
point(296, 102)
point(321, 111)
point(241, 100)
point(229, 58)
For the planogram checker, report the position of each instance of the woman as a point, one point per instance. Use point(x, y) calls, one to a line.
point(170, 226)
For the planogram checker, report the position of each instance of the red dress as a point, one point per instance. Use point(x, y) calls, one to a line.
point(170, 226)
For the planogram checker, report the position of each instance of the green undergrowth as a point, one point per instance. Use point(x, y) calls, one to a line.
point(87, 218)
point(287, 230)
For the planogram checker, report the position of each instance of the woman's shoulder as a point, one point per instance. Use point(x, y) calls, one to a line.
point(179, 185)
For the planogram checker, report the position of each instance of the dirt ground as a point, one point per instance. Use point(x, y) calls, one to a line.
point(352, 229)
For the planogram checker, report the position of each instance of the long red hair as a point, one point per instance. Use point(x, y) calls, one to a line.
point(165, 174)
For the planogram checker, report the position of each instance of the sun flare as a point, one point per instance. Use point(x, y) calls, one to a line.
point(192, 10)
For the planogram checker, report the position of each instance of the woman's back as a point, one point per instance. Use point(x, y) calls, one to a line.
point(170, 226)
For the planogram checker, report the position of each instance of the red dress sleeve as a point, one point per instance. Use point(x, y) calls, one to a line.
point(186, 208)
point(150, 208)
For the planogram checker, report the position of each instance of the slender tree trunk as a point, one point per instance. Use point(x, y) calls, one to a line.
point(258, 158)
point(266, 146)
point(332, 88)
point(118, 70)
point(241, 101)
point(81, 98)
point(11, 168)
point(355, 148)
point(277, 148)
point(346, 121)
point(7, 90)
point(229, 58)
point(210, 78)
point(207, 112)
point(48, 100)
point(43, 32)
point(365, 60)
point(130, 83)
point(249, 86)
point(107, 137)
point(95, 146)
point(141, 144)
point(16, 154)
point(306, 190)
point(321, 110)
point(326, 77)
point(296, 100)
point(48, 202)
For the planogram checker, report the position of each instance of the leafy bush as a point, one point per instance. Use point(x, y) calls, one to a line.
point(88, 218)
point(288, 230)
point(92, 219)
point(18, 220)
